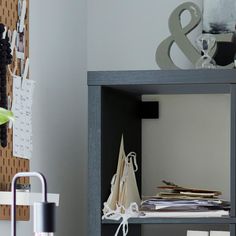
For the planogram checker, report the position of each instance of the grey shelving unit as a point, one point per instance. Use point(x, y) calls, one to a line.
point(114, 108)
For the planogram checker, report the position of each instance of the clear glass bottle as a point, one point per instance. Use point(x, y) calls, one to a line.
point(234, 43)
point(205, 43)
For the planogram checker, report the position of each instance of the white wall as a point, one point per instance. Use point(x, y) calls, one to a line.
point(190, 145)
point(124, 34)
point(58, 64)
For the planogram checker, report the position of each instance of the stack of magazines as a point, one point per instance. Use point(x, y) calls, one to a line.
point(185, 202)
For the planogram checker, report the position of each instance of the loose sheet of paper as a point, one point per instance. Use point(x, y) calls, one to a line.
point(22, 108)
point(219, 233)
point(197, 233)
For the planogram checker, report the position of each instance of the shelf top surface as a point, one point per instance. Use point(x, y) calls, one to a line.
point(157, 220)
point(161, 77)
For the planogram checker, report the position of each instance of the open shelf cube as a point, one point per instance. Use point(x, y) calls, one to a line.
point(114, 108)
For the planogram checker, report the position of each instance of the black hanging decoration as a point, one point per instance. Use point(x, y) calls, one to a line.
point(5, 59)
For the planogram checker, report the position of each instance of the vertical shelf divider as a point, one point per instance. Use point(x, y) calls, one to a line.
point(120, 116)
point(233, 156)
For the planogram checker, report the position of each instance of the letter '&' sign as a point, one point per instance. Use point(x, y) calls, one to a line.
point(178, 35)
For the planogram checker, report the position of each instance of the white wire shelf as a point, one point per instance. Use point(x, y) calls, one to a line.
point(26, 198)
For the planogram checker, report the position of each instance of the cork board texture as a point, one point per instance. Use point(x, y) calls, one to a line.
point(10, 165)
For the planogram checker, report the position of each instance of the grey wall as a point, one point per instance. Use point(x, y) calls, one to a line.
point(58, 64)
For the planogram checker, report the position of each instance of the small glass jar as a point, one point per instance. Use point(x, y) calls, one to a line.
point(205, 43)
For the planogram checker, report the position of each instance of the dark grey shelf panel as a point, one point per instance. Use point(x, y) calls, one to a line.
point(114, 102)
point(216, 220)
point(160, 77)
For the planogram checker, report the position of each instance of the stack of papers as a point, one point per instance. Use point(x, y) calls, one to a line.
point(171, 190)
point(157, 204)
point(185, 202)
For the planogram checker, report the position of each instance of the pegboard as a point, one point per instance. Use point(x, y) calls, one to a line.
point(10, 165)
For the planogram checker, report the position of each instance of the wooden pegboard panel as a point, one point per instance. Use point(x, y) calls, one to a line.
point(10, 165)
